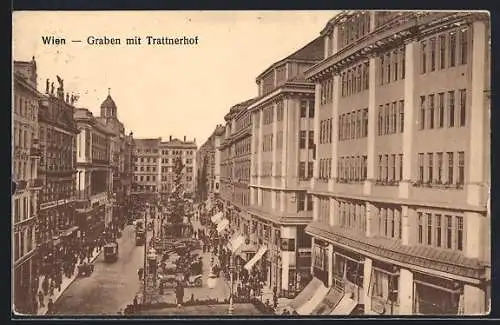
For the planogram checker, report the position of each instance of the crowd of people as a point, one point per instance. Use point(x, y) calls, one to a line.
point(62, 261)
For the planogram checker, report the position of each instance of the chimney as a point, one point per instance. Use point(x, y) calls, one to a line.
point(170, 138)
point(184, 138)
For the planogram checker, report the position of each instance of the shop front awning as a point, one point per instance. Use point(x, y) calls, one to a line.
point(262, 250)
point(222, 225)
point(216, 218)
point(69, 231)
point(329, 302)
point(317, 297)
point(345, 306)
point(236, 242)
point(306, 294)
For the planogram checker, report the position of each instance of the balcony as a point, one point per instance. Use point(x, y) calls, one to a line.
point(36, 183)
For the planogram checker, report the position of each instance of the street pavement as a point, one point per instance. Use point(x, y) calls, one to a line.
point(110, 287)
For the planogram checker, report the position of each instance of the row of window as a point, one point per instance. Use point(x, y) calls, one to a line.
point(304, 201)
point(24, 169)
point(23, 243)
point(390, 168)
point(243, 147)
point(60, 160)
point(306, 173)
point(445, 231)
point(242, 171)
point(355, 80)
point(243, 122)
point(307, 108)
point(326, 91)
point(352, 215)
point(444, 171)
point(148, 169)
point(53, 191)
point(391, 118)
point(267, 143)
point(22, 136)
point(268, 115)
point(325, 131)
point(26, 108)
point(303, 137)
point(434, 117)
point(21, 212)
point(430, 60)
point(147, 178)
point(323, 210)
point(325, 168)
point(352, 169)
point(391, 66)
point(354, 28)
point(389, 222)
point(353, 125)
point(241, 197)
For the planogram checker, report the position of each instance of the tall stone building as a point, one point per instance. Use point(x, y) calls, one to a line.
point(208, 162)
point(94, 177)
point(25, 161)
point(120, 149)
point(57, 225)
point(401, 179)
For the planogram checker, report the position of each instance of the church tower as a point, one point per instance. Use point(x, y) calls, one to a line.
point(108, 107)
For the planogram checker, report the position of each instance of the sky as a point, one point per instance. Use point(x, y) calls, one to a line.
point(163, 90)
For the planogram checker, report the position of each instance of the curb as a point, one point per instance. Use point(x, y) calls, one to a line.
point(71, 280)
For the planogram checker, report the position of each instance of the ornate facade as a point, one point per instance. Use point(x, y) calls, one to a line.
point(25, 161)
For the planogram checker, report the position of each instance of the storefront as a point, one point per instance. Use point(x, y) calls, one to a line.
point(436, 296)
point(383, 291)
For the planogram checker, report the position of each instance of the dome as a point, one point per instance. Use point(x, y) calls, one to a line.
point(108, 107)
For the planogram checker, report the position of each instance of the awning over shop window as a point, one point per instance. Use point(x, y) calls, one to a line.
point(216, 218)
point(345, 306)
point(262, 250)
point(222, 225)
point(69, 231)
point(236, 242)
point(329, 302)
point(308, 307)
point(305, 295)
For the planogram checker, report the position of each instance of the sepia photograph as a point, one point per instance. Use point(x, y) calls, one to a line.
point(250, 163)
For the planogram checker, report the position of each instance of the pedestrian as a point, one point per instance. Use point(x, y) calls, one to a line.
point(51, 287)
point(135, 301)
point(50, 307)
point(140, 273)
point(40, 299)
point(179, 294)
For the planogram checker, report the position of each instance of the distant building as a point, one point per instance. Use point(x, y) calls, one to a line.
point(25, 161)
point(154, 175)
point(208, 163)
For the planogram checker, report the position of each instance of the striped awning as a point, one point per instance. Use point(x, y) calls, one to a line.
point(236, 242)
point(262, 250)
point(216, 218)
point(222, 225)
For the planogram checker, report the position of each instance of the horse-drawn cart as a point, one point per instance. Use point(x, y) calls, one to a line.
point(85, 269)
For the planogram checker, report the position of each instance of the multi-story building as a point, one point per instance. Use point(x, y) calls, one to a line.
point(401, 176)
point(282, 153)
point(119, 151)
point(147, 168)
point(169, 151)
point(235, 166)
point(208, 162)
point(25, 160)
point(94, 177)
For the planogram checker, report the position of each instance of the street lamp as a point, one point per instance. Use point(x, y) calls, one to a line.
point(231, 271)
